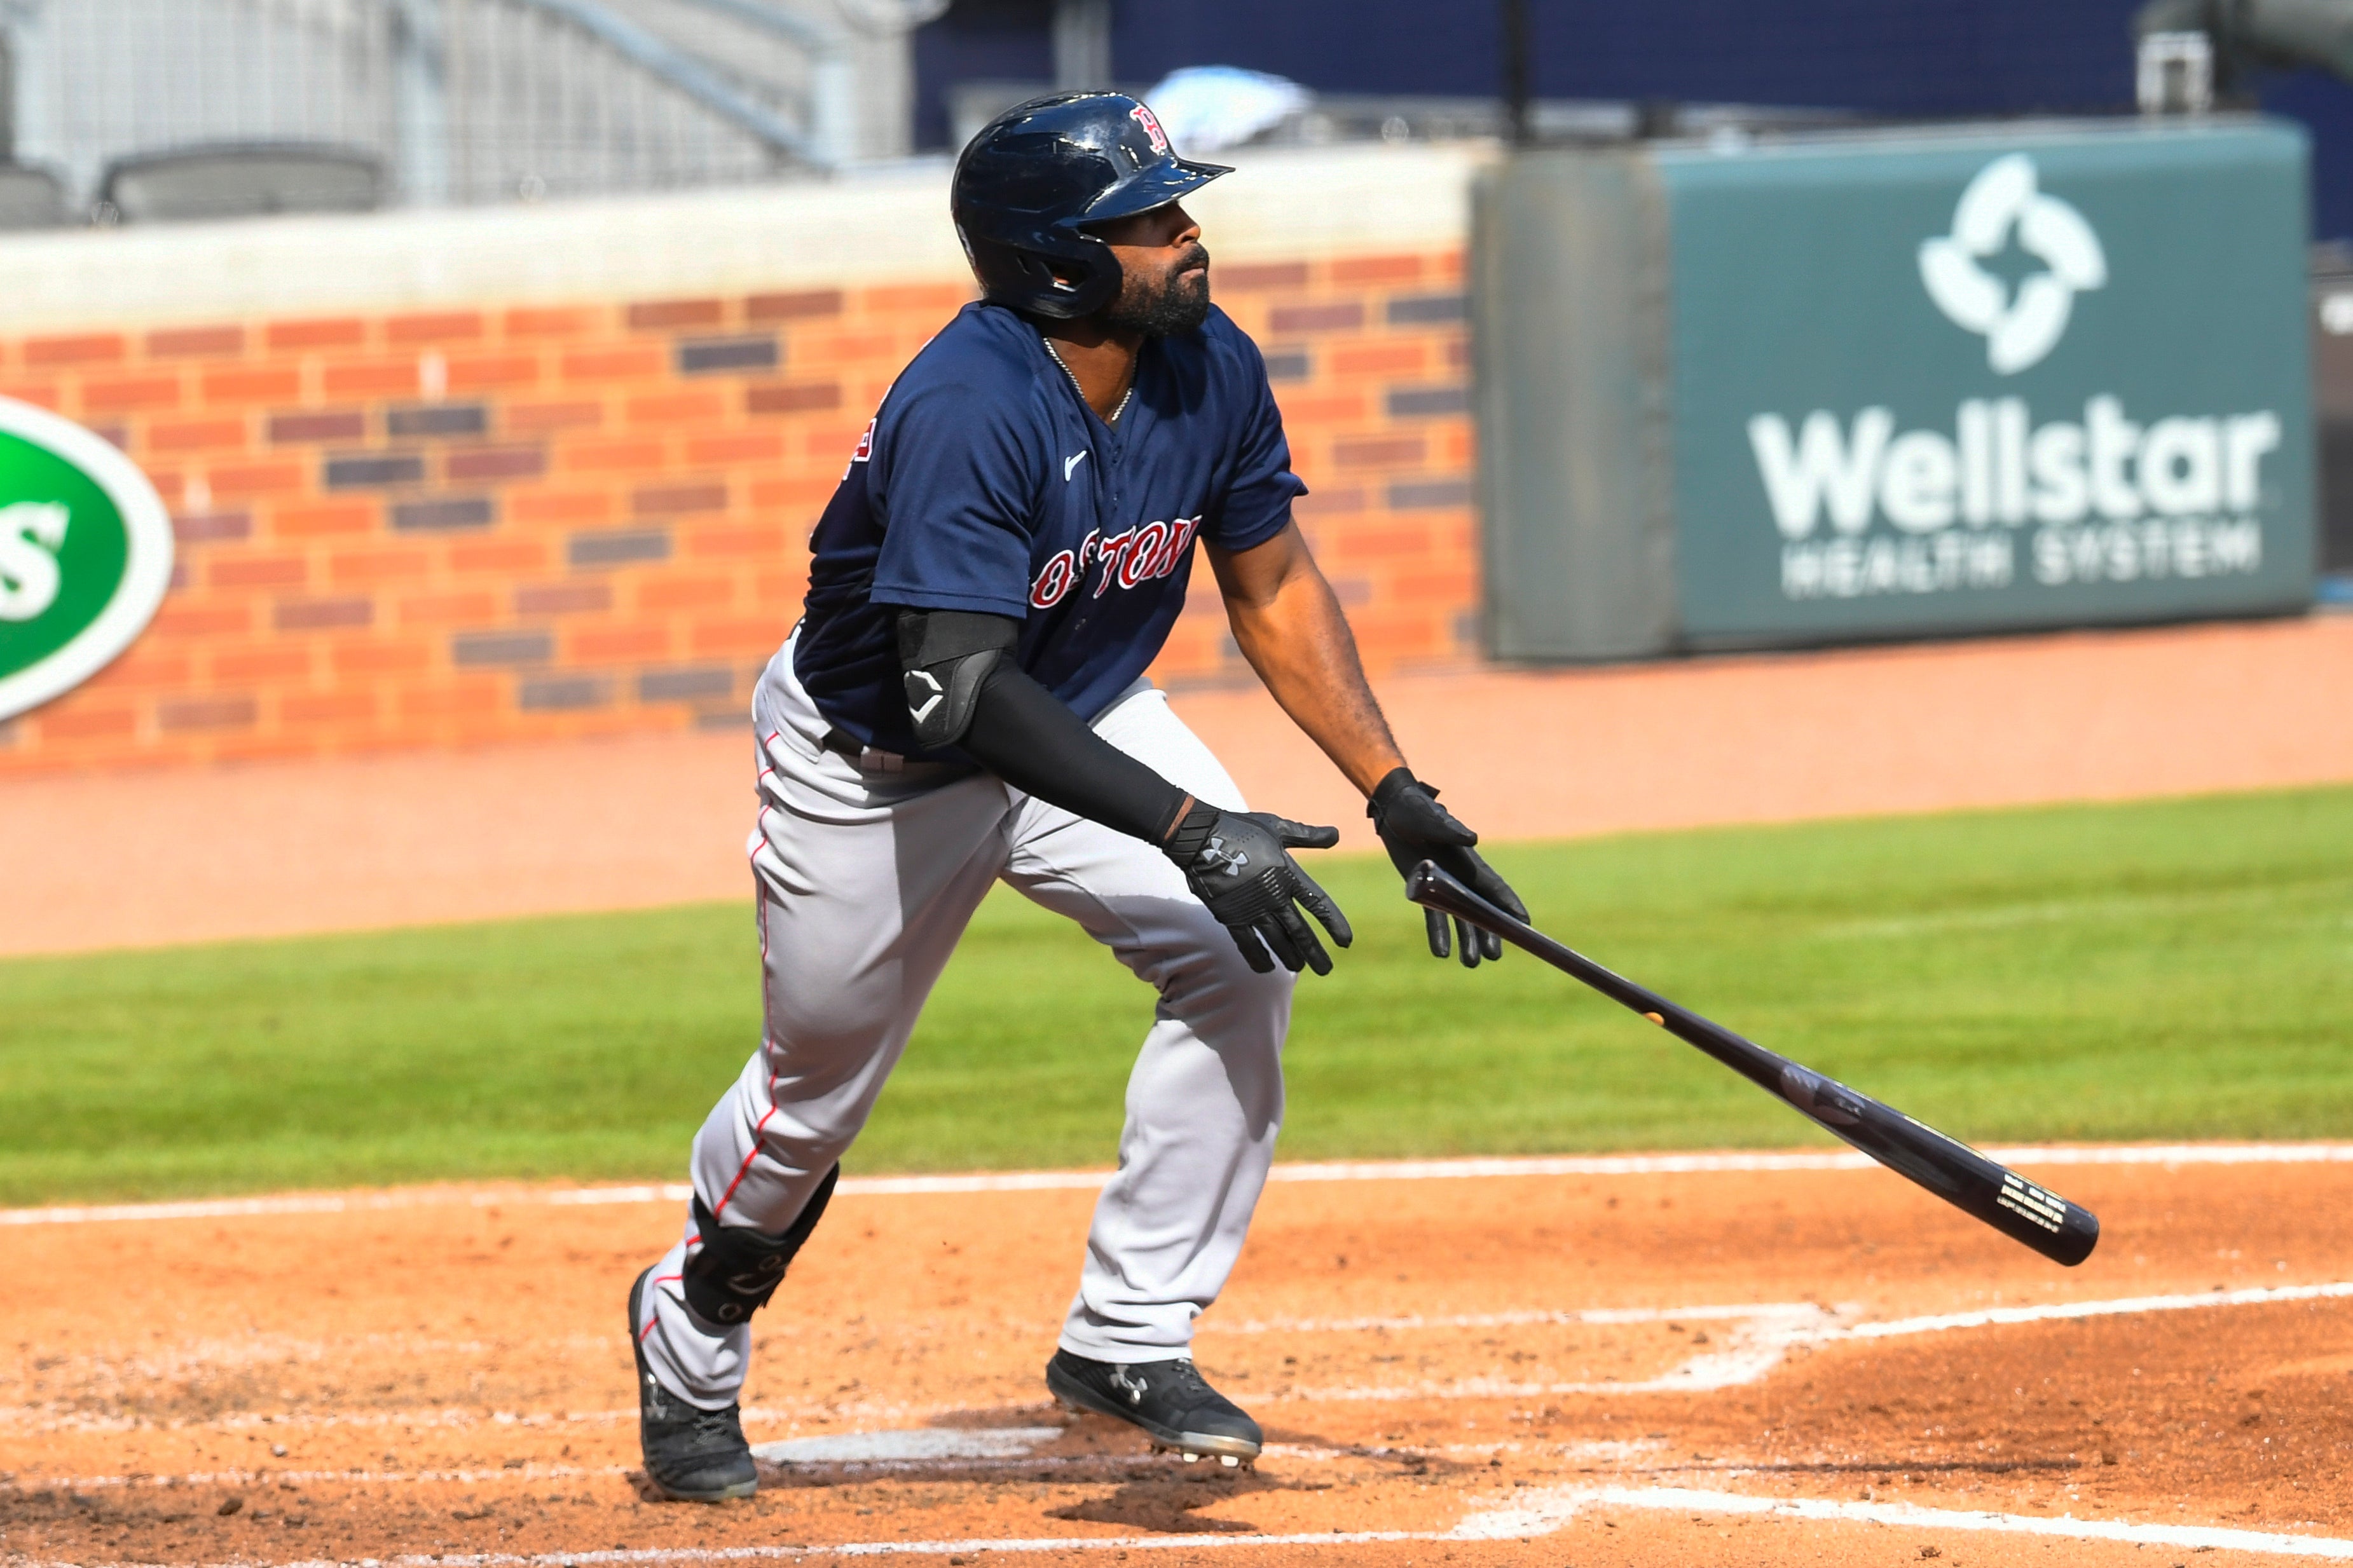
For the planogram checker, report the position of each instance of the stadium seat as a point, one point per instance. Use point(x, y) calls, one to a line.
point(30, 198)
point(250, 180)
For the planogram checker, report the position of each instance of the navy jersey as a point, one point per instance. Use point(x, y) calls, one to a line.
point(986, 483)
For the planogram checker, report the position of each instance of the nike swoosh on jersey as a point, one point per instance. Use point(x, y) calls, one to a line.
point(1070, 464)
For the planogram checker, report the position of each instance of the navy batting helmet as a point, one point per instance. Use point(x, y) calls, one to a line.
point(1036, 174)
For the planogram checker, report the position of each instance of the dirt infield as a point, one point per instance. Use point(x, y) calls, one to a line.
point(350, 843)
point(1674, 1360)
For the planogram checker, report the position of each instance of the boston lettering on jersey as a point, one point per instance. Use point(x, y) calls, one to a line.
point(985, 483)
point(1139, 555)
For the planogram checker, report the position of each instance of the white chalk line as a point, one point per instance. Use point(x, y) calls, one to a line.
point(2060, 1310)
point(1532, 1514)
point(1543, 1512)
point(1764, 1340)
point(1055, 1180)
point(1757, 1345)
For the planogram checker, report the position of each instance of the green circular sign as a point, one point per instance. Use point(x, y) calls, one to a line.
point(85, 555)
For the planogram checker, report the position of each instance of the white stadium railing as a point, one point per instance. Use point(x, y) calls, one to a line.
point(459, 100)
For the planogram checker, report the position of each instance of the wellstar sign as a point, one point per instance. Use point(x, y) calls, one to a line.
point(2106, 499)
point(2101, 493)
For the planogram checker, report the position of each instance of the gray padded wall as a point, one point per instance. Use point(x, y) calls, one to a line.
point(1569, 334)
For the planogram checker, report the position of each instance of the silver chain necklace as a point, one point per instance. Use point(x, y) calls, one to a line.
point(1081, 391)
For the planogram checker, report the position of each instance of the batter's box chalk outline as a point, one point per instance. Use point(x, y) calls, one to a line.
point(1765, 1335)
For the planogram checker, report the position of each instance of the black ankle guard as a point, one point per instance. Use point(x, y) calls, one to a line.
point(735, 1271)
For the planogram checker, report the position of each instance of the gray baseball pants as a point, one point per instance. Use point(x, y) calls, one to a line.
point(868, 870)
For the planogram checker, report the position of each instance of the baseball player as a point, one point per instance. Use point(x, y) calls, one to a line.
point(964, 702)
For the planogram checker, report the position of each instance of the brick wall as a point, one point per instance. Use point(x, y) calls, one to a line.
point(478, 525)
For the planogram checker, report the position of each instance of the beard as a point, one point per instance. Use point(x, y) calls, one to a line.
point(1177, 302)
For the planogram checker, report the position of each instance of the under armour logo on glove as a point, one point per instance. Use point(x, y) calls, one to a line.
point(1239, 865)
point(1233, 860)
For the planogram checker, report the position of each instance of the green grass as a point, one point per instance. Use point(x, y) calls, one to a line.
point(2157, 970)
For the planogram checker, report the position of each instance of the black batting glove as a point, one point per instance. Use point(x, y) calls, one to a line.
point(1239, 865)
point(1414, 827)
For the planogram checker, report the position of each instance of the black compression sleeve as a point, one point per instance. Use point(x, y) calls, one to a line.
point(1029, 737)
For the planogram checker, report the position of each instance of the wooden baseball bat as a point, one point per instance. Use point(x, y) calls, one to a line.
point(2060, 1231)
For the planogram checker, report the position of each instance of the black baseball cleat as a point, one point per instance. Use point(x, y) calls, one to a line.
point(1168, 1399)
point(692, 1455)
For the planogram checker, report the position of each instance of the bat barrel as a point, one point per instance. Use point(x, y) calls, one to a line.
point(2031, 1215)
point(2062, 1231)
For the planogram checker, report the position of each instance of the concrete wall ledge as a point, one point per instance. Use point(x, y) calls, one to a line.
point(884, 225)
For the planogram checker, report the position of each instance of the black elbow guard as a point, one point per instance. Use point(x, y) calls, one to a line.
point(947, 654)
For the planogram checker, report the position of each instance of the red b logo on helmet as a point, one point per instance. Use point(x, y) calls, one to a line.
point(1151, 123)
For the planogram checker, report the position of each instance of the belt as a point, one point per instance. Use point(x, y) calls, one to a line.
point(843, 743)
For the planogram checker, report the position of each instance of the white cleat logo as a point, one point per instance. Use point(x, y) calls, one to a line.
point(1128, 1384)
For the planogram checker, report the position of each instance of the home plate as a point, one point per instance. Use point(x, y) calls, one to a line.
point(923, 1443)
